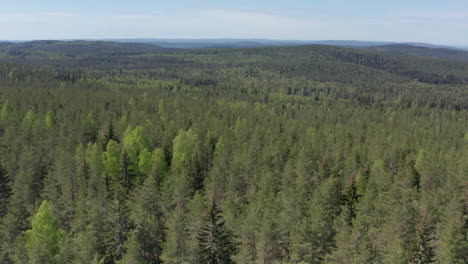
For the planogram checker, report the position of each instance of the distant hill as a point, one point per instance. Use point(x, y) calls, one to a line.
point(242, 43)
point(208, 45)
point(249, 43)
point(80, 48)
point(323, 63)
point(245, 43)
point(443, 53)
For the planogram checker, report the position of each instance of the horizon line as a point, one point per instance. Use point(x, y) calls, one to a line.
point(231, 38)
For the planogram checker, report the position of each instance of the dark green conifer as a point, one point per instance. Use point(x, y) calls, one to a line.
point(216, 246)
point(421, 246)
point(5, 192)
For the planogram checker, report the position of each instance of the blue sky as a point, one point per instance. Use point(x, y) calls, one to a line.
point(434, 21)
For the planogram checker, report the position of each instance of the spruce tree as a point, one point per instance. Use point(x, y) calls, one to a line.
point(107, 135)
point(89, 129)
point(421, 248)
point(5, 192)
point(145, 242)
point(175, 248)
point(452, 245)
point(317, 230)
point(118, 226)
point(215, 242)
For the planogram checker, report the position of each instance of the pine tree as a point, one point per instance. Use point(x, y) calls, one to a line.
point(42, 240)
point(118, 227)
point(197, 209)
point(351, 198)
point(215, 242)
point(421, 245)
point(452, 245)
point(361, 180)
point(25, 191)
point(107, 135)
point(177, 192)
point(5, 192)
point(93, 210)
point(175, 250)
point(58, 187)
point(127, 175)
point(317, 231)
point(398, 218)
point(89, 128)
point(217, 180)
point(344, 250)
point(133, 253)
point(145, 242)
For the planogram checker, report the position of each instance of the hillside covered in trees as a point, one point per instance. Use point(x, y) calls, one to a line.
point(443, 53)
point(133, 153)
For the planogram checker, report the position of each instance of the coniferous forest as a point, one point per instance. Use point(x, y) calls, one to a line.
point(133, 153)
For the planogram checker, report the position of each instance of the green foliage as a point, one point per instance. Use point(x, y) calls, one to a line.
point(145, 163)
point(421, 246)
point(134, 142)
point(175, 248)
point(118, 226)
point(419, 164)
point(317, 231)
point(184, 147)
point(50, 119)
point(28, 120)
point(111, 160)
point(6, 111)
point(314, 154)
point(146, 241)
point(109, 134)
point(89, 128)
point(5, 192)
point(361, 181)
point(42, 241)
point(452, 246)
point(215, 242)
point(159, 164)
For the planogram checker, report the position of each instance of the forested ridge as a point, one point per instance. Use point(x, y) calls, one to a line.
point(439, 52)
point(132, 153)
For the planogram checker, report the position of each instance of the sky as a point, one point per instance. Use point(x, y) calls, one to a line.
point(431, 21)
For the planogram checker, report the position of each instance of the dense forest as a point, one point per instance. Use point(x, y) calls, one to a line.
point(133, 153)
